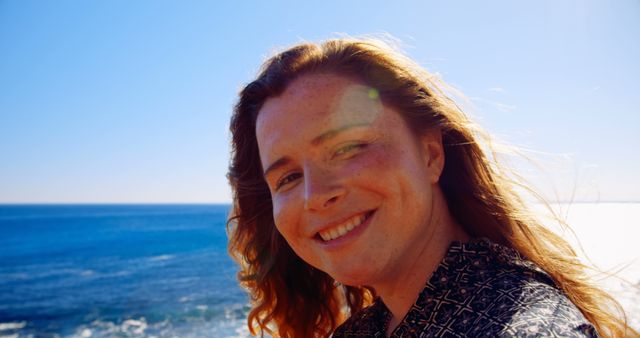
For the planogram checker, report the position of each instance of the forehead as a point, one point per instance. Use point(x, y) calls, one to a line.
point(313, 104)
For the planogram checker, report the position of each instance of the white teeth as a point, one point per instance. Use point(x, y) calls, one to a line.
point(342, 229)
point(350, 226)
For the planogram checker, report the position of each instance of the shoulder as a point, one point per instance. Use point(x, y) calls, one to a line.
point(510, 296)
point(536, 310)
point(526, 302)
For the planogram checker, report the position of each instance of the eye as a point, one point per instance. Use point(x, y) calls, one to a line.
point(350, 148)
point(287, 179)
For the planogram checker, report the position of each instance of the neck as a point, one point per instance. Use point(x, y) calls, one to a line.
point(401, 290)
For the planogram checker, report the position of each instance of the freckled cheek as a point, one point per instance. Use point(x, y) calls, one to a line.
point(374, 163)
point(284, 215)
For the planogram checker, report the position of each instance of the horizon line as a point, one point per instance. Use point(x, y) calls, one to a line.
point(231, 202)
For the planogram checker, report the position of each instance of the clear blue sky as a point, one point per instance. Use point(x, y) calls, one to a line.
point(129, 101)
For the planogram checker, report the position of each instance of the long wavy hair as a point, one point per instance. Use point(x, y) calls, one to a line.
point(289, 297)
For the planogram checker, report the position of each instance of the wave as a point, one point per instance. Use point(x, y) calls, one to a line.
point(12, 326)
point(161, 258)
point(231, 324)
point(196, 320)
point(139, 327)
point(59, 273)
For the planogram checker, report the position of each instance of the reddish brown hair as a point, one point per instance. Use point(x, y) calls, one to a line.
point(291, 298)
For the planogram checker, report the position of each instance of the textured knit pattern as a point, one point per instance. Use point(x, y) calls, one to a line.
point(480, 289)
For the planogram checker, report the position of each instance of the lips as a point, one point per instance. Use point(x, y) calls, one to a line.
point(343, 228)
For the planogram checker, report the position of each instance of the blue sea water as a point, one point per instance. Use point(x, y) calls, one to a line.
point(163, 270)
point(118, 271)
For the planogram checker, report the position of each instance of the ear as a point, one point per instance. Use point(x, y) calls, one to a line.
point(433, 154)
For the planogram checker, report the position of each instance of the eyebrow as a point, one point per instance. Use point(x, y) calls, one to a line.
point(335, 132)
point(283, 161)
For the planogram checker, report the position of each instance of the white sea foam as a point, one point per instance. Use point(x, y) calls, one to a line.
point(12, 326)
point(194, 327)
point(134, 326)
point(10, 336)
point(185, 299)
point(161, 258)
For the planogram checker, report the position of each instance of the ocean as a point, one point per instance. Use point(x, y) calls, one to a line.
point(118, 271)
point(163, 270)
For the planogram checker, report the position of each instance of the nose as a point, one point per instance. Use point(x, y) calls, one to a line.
point(321, 189)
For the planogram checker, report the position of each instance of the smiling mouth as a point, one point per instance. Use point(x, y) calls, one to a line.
point(344, 228)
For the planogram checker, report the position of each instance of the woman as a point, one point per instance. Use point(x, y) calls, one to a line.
point(362, 191)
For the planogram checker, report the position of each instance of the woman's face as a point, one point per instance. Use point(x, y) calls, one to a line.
point(351, 186)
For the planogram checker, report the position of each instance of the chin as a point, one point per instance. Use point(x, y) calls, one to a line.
point(354, 278)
